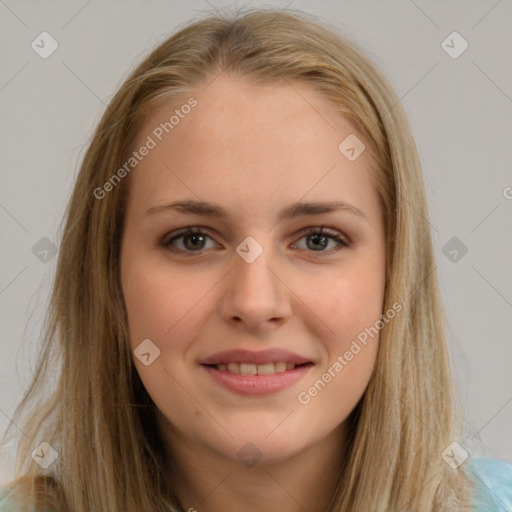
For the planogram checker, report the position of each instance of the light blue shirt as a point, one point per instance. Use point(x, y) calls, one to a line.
point(493, 478)
point(494, 485)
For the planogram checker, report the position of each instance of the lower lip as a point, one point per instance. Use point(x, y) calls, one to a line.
point(258, 384)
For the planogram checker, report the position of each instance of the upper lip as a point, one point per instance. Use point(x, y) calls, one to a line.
point(251, 357)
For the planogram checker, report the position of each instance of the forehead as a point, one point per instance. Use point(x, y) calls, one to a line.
point(254, 146)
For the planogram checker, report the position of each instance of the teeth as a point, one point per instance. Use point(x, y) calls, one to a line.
point(280, 367)
point(256, 369)
point(266, 369)
point(248, 369)
point(233, 368)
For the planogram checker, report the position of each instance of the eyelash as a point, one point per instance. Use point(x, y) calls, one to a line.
point(329, 233)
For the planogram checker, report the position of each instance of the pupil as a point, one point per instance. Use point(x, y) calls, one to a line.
point(316, 238)
point(195, 238)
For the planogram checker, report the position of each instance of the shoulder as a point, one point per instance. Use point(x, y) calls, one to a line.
point(5, 502)
point(493, 479)
point(11, 493)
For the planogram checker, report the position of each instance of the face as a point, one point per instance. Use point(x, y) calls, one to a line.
point(215, 293)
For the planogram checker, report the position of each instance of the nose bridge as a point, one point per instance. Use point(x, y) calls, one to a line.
point(253, 275)
point(254, 292)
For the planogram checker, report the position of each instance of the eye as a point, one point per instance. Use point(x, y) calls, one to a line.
point(194, 240)
point(188, 240)
point(318, 239)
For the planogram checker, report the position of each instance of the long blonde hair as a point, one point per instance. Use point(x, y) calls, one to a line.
point(98, 416)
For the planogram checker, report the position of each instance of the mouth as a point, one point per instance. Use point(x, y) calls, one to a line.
point(246, 372)
point(249, 369)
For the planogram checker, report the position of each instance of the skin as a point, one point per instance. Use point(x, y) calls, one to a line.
point(253, 149)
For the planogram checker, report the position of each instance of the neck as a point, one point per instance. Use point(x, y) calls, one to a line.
point(206, 481)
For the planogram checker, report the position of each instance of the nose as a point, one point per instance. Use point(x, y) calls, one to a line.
point(255, 296)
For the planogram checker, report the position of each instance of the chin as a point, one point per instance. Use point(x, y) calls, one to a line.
point(265, 446)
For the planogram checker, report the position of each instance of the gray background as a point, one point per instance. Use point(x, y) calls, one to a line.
point(460, 110)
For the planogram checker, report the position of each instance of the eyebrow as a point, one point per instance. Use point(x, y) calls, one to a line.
point(290, 212)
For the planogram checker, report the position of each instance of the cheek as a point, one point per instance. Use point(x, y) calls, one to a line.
point(159, 302)
point(351, 308)
point(147, 301)
point(353, 302)
point(166, 308)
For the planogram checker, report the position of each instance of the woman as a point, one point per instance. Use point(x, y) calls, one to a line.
point(246, 314)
